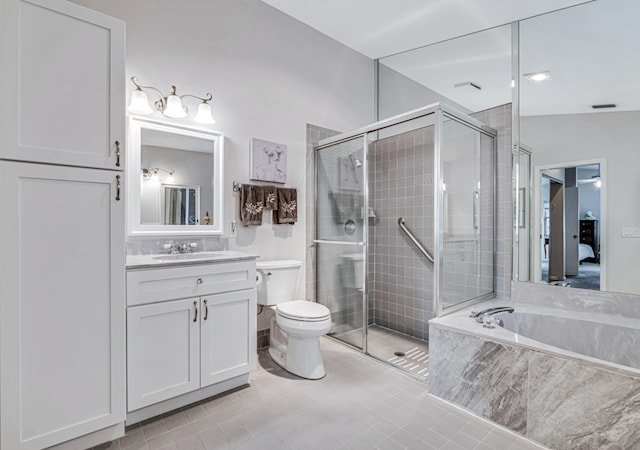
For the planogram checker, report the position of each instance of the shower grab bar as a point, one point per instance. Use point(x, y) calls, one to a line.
point(408, 232)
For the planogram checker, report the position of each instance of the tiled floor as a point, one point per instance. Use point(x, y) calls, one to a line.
point(360, 404)
point(383, 344)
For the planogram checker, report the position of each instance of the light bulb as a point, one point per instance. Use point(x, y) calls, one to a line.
point(204, 114)
point(139, 103)
point(174, 108)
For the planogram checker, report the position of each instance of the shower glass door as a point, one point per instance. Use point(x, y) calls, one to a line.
point(341, 237)
point(467, 160)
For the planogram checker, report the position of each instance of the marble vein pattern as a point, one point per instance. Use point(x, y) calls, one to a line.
point(486, 377)
point(560, 402)
point(574, 406)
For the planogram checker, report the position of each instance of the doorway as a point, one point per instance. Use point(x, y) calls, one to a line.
point(570, 205)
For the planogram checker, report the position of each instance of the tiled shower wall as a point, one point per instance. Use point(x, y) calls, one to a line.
point(400, 277)
point(401, 185)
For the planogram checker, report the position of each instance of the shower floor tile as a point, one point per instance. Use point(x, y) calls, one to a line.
point(405, 352)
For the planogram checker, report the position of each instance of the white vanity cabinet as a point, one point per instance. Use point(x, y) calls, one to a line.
point(62, 277)
point(190, 329)
point(163, 351)
point(62, 303)
point(62, 84)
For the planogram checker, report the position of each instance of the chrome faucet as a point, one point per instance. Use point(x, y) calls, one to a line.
point(479, 315)
point(180, 248)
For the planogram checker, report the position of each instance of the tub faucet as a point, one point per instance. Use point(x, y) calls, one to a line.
point(478, 315)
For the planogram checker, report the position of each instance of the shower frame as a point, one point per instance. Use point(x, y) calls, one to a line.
point(441, 112)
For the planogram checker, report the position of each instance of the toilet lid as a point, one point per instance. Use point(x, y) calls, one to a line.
point(303, 310)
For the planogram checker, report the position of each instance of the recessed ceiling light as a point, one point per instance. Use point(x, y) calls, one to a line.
point(538, 76)
point(604, 106)
point(468, 84)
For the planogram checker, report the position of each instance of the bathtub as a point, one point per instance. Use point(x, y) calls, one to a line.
point(603, 337)
point(563, 379)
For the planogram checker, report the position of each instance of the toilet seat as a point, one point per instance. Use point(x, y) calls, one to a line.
point(303, 311)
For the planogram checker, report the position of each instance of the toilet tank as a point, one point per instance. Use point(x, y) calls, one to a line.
point(352, 270)
point(277, 281)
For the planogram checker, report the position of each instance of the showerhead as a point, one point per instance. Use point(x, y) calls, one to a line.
point(355, 160)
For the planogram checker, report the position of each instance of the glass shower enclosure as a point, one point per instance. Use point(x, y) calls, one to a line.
point(405, 227)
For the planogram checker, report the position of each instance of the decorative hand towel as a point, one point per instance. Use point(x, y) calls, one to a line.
point(287, 211)
point(251, 204)
point(270, 197)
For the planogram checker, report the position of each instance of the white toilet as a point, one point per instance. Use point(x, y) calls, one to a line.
point(297, 325)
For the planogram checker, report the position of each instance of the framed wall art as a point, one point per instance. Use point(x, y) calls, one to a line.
point(268, 161)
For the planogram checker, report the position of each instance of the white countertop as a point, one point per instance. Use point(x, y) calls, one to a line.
point(182, 259)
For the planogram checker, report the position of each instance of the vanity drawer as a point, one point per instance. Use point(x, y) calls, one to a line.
point(155, 285)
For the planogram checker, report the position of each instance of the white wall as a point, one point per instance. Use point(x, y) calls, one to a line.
point(399, 94)
point(614, 136)
point(269, 74)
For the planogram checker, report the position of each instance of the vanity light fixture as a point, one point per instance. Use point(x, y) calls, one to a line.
point(152, 174)
point(538, 76)
point(170, 105)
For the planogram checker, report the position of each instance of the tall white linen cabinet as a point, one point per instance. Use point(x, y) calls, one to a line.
point(62, 290)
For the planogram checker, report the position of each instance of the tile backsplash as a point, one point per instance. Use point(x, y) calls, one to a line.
point(153, 245)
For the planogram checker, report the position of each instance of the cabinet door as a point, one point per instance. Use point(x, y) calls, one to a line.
point(62, 364)
point(163, 351)
point(228, 335)
point(62, 84)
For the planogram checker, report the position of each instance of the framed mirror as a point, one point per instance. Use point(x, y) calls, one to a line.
point(174, 175)
point(580, 121)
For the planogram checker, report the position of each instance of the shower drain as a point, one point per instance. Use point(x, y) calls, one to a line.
point(399, 353)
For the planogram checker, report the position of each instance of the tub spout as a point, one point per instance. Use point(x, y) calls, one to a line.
point(478, 315)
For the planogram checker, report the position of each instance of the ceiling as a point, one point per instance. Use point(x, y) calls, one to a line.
point(378, 28)
point(591, 51)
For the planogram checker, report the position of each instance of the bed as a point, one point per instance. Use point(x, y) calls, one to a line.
point(585, 251)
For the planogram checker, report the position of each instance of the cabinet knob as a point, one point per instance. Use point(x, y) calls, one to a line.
point(199, 281)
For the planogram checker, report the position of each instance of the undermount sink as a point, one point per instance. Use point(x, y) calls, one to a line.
point(188, 256)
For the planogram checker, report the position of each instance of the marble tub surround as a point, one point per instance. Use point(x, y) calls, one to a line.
point(573, 405)
point(486, 377)
point(154, 245)
point(540, 294)
point(548, 395)
point(602, 339)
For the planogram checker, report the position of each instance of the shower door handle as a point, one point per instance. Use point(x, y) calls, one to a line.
point(476, 196)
